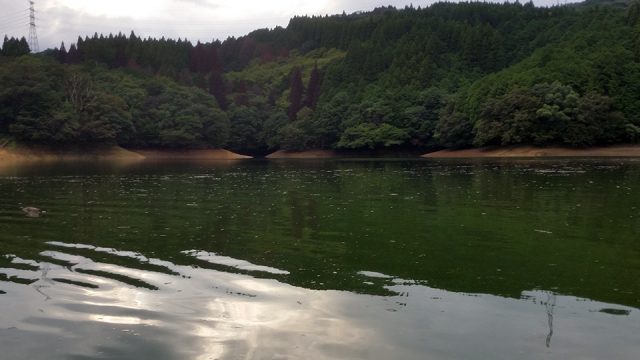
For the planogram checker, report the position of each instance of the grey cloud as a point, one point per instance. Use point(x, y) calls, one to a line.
point(59, 23)
point(203, 3)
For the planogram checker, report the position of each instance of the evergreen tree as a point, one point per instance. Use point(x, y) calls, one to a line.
point(62, 54)
point(217, 89)
point(15, 47)
point(296, 89)
point(313, 89)
point(73, 56)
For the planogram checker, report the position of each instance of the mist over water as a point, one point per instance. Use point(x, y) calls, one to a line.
point(321, 259)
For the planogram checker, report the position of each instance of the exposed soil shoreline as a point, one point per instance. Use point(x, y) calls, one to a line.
point(538, 152)
point(112, 153)
point(21, 154)
point(116, 153)
point(206, 154)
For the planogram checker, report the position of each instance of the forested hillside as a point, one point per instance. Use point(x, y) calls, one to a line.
point(450, 75)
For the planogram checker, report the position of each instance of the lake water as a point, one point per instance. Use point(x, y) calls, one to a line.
point(351, 259)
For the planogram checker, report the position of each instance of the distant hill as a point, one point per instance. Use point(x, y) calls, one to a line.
point(621, 4)
point(449, 75)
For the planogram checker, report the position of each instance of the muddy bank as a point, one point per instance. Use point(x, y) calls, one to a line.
point(209, 154)
point(112, 153)
point(535, 152)
point(310, 154)
point(23, 154)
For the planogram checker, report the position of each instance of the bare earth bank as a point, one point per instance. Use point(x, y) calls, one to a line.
point(310, 154)
point(21, 154)
point(207, 154)
point(111, 153)
point(47, 154)
point(531, 151)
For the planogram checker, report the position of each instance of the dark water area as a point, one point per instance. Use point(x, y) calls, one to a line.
point(321, 259)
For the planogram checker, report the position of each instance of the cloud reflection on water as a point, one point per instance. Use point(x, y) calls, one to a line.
point(201, 313)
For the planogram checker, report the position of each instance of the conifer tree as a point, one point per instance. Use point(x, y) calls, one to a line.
point(62, 54)
point(73, 57)
point(217, 89)
point(296, 89)
point(313, 90)
point(15, 47)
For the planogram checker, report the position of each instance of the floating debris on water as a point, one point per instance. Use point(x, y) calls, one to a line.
point(33, 212)
point(620, 312)
point(542, 231)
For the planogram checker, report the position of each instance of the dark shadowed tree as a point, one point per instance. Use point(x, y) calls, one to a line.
point(217, 89)
point(15, 47)
point(313, 90)
point(62, 54)
point(73, 57)
point(296, 89)
point(198, 59)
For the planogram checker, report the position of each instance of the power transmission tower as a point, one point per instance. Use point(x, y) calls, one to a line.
point(33, 36)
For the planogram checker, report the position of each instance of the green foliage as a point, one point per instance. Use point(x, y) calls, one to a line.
point(578, 91)
point(549, 113)
point(246, 129)
point(454, 129)
point(14, 47)
point(271, 73)
point(449, 75)
point(272, 127)
point(48, 103)
point(292, 137)
point(368, 135)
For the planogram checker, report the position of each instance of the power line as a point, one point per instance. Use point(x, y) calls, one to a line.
point(15, 23)
point(12, 32)
point(14, 18)
point(22, 24)
point(11, 22)
point(20, 12)
point(15, 26)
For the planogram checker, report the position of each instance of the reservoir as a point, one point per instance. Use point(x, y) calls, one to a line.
point(321, 259)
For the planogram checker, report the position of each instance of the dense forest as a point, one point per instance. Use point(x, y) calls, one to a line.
point(449, 75)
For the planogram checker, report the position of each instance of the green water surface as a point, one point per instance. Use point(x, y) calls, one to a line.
point(353, 259)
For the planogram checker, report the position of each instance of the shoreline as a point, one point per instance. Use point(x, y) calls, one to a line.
point(537, 152)
point(204, 154)
point(112, 153)
point(116, 153)
point(31, 154)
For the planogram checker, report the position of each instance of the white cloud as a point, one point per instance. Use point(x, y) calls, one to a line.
point(138, 9)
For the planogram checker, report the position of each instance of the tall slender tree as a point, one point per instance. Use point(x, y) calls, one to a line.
point(62, 54)
point(296, 89)
point(313, 89)
point(218, 90)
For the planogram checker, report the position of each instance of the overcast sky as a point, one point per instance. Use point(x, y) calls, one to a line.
point(204, 20)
